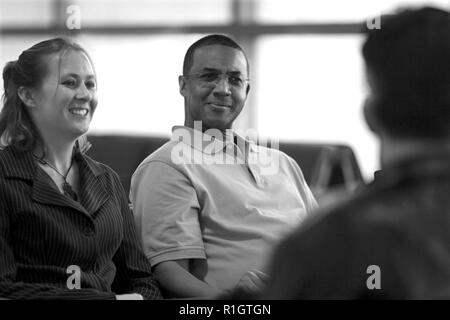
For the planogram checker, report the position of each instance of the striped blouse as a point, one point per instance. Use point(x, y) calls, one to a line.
point(52, 247)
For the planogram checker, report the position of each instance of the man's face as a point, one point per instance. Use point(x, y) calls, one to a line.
point(216, 88)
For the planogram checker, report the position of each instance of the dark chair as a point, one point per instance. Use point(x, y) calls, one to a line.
point(325, 166)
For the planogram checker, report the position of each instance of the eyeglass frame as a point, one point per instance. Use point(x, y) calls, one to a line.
point(197, 76)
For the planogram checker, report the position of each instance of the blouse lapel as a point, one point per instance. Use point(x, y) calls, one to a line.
point(44, 192)
point(94, 191)
point(21, 165)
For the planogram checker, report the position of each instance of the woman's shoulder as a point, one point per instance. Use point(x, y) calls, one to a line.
point(99, 168)
point(106, 174)
point(3, 154)
point(8, 157)
point(6, 151)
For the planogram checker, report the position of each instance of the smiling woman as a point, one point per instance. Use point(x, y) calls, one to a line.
point(49, 187)
point(62, 107)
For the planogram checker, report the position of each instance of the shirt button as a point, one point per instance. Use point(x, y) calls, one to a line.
point(89, 231)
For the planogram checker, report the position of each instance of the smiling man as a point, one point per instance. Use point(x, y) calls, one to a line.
point(207, 226)
point(208, 99)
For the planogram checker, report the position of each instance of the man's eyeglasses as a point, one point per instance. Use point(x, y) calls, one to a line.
point(210, 79)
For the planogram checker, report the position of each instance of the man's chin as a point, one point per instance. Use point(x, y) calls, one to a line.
point(218, 125)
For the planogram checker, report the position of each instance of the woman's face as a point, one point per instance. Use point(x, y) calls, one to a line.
point(65, 102)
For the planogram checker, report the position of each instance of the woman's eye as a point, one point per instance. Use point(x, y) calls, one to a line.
point(70, 83)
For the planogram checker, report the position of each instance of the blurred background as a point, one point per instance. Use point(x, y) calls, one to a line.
point(307, 75)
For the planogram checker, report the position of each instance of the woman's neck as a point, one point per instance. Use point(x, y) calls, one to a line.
point(58, 155)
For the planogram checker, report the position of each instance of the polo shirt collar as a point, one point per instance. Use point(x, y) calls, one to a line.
point(202, 141)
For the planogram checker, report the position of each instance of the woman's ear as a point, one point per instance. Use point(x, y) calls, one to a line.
point(26, 95)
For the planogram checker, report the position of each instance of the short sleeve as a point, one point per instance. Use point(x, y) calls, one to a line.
point(166, 212)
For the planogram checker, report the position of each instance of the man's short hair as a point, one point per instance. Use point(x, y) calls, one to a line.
point(408, 61)
point(213, 39)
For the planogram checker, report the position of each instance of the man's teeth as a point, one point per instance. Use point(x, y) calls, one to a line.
point(80, 112)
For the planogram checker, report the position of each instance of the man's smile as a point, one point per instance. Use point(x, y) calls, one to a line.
point(219, 106)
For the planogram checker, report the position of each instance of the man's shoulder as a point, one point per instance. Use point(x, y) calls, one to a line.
point(274, 152)
point(163, 153)
point(283, 161)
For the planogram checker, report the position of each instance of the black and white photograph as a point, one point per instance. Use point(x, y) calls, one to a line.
point(224, 155)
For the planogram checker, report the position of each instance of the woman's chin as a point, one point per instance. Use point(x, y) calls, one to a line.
point(78, 131)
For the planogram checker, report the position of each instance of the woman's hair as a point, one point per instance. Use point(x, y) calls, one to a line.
point(16, 125)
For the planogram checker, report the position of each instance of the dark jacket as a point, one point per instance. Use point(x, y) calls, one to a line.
point(43, 233)
point(391, 241)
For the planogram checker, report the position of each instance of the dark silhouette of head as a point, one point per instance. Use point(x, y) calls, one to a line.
point(408, 68)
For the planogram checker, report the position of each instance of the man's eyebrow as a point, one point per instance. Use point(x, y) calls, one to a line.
point(219, 71)
point(211, 70)
point(237, 73)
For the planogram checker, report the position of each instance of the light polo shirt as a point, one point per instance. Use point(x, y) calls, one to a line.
point(227, 202)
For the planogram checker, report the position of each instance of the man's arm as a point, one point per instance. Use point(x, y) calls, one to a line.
point(183, 279)
point(166, 212)
point(180, 279)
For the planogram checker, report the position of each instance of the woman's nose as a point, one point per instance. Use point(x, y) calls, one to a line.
point(83, 92)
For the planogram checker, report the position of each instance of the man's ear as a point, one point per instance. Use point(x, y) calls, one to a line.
point(370, 116)
point(26, 95)
point(182, 84)
point(248, 89)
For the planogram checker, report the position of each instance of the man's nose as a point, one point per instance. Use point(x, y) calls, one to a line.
point(223, 86)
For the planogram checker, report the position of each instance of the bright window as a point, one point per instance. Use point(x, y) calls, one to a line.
point(322, 11)
point(305, 87)
point(311, 89)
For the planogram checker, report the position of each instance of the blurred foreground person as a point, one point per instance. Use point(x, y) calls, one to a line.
point(391, 241)
point(66, 231)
